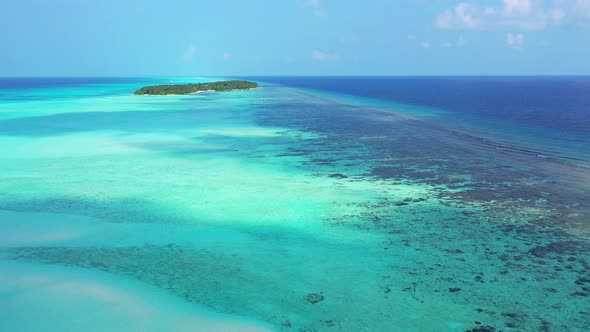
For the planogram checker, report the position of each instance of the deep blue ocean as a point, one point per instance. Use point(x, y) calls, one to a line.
point(546, 116)
point(553, 102)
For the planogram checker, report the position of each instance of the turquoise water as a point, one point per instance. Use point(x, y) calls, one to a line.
point(234, 211)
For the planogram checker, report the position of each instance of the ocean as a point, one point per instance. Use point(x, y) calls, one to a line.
point(308, 204)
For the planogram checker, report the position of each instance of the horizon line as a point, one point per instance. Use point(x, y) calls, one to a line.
point(258, 75)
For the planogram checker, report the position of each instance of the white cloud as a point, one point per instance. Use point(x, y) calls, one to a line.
point(425, 44)
point(323, 56)
point(316, 6)
point(517, 7)
point(463, 15)
point(557, 15)
point(466, 13)
point(227, 56)
point(444, 20)
point(511, 14)
point(515, 40)
point(313, 3)
point(447, 44)
point(582, 7)
point(411, 37)
point(189, 54)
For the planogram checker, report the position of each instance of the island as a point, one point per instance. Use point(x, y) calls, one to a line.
point(185, 89)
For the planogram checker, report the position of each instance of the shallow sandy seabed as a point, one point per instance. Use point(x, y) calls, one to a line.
point(49, 298)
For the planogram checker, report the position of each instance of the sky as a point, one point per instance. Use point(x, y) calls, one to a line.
point(294, 37)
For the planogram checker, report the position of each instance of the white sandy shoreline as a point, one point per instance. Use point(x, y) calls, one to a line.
point(193, 93)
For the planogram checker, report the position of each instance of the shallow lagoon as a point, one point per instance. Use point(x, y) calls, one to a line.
point(243, 203)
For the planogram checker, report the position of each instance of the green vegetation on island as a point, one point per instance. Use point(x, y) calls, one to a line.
point(185, 89)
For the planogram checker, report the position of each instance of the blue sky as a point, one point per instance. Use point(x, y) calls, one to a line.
point(294, 37)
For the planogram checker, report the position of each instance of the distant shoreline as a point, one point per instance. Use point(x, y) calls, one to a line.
point(192, 93)
point(194, 88)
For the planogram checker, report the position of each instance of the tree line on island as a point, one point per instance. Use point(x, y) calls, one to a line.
point(184, 89)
